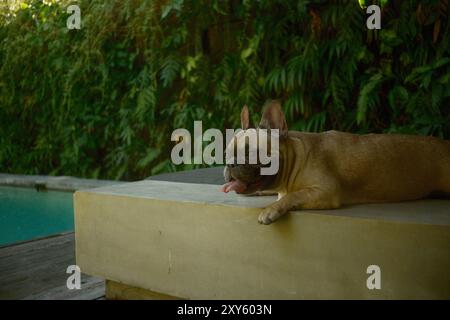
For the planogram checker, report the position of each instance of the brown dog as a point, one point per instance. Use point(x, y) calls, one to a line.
point(330, 169)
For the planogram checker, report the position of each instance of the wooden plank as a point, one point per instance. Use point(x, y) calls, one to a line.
point(37, 270)
point(91, 289)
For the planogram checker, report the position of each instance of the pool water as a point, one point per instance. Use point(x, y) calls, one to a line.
point(27, 214)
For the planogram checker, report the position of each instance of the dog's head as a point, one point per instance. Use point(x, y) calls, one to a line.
point(247, 178)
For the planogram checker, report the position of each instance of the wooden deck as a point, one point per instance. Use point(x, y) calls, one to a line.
point(37, 269)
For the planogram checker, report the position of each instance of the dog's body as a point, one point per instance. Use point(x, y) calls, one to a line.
point(330, 169)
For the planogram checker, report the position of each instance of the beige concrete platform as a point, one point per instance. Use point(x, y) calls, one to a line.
point(192, 241)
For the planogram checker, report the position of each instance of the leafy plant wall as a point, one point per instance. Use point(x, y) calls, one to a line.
point(102, 101)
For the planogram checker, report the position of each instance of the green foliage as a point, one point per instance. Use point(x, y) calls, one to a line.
point(102, 101)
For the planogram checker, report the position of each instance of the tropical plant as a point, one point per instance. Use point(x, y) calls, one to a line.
point(102, 101)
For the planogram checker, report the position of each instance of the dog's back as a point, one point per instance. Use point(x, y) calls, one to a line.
point(380, 167)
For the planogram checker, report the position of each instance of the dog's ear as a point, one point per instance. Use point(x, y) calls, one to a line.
point(245, 118)
point(273, 118)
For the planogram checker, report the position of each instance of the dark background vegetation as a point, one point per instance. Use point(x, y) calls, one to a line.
point(101, 102)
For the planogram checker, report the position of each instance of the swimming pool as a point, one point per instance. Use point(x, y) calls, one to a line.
point(27, 214)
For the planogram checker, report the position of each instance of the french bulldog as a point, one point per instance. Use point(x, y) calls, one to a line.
point(330, 169)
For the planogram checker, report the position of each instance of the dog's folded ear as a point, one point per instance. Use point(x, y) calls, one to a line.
point(273, 118)
point(245, 118)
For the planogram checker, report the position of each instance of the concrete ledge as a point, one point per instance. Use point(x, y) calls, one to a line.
point(119, 291)
point(62, 183)
point(191, 241)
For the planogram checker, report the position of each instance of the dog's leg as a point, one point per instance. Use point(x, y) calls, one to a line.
point(308, 198)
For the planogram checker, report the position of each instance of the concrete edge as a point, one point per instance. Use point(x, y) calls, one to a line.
point(60, 183)
point(306, 212)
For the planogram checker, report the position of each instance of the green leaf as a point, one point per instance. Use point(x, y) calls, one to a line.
point(152, 154)
point(367, 97)
point(246, 53)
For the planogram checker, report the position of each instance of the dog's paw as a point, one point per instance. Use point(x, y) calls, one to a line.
point(269, 215)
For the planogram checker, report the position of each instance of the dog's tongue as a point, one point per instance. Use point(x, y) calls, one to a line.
point(234, 185)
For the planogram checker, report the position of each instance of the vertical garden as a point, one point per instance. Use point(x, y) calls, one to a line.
point(102, 101)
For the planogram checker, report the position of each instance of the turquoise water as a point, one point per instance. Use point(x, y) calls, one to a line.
point(26, 214)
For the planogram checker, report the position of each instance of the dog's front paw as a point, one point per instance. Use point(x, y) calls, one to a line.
point(269, 215)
